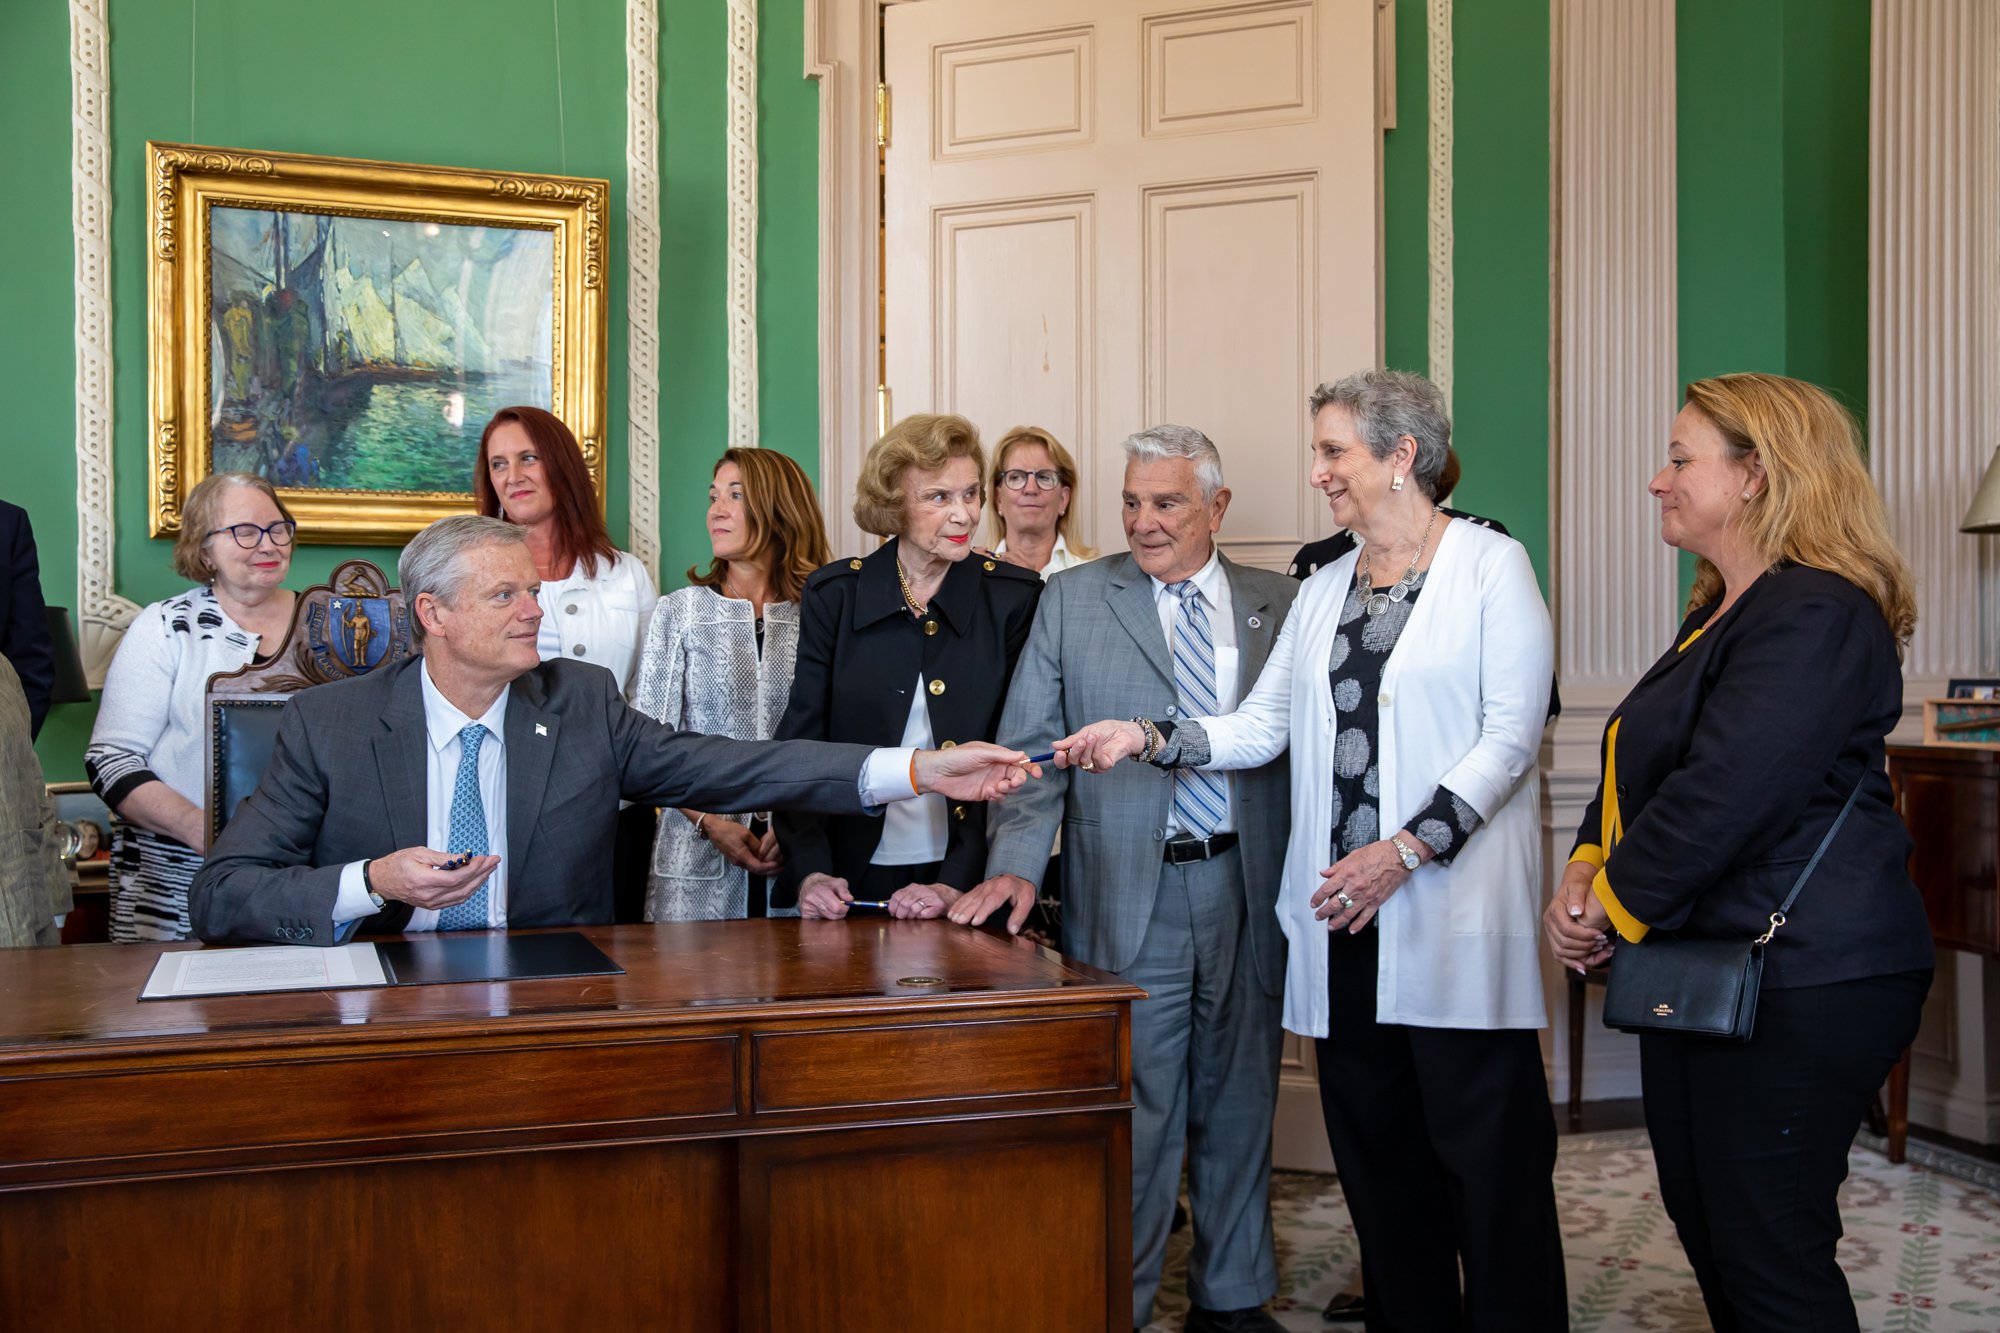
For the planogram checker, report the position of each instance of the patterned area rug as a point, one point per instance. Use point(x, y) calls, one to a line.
point(1922, 1251)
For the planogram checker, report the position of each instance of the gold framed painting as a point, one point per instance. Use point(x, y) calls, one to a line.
point(346, 328)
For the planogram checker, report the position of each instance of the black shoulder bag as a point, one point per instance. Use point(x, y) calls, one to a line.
point(1696, 987)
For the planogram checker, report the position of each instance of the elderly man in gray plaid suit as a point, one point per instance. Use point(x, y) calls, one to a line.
point(1169, 879)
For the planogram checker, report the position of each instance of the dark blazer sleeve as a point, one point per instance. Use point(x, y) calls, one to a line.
point(26, 642)
point(260, 881)
point(661, 766)
point(1790, 696)
point(801, 834)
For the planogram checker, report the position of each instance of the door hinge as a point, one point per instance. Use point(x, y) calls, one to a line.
point(881, 115)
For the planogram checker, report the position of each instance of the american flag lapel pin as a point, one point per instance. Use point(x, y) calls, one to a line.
point(541, 730)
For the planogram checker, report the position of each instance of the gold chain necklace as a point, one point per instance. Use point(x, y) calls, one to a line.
point(909, 598)
point(1379, 602)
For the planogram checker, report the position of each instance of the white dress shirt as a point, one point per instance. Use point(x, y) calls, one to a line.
point(885, 781)
point(1213, 585)
point(442, 723)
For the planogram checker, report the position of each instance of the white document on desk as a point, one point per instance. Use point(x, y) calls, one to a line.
point(259, 971)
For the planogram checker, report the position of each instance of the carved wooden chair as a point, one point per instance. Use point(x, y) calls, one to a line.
point(349, 626)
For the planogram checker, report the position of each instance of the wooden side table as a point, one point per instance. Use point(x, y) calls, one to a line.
point(1949, 797)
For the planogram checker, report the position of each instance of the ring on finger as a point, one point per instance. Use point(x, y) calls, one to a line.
point(1345, 901)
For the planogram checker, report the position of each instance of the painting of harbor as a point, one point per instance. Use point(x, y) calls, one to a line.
point(357, 353)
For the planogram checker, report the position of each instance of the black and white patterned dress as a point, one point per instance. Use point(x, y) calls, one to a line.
point(1361, 648)
point(150, 728)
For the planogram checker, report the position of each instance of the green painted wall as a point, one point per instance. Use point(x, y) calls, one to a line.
point(1500, 266)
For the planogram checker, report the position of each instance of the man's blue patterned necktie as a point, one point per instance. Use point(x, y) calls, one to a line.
point(1200, 799)
point(468, 829)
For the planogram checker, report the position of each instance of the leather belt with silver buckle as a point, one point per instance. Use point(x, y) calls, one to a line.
point(1183, 850)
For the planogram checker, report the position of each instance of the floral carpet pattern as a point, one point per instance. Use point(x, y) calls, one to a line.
point(1922, 1251)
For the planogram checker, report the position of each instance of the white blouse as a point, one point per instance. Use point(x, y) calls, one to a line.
point(1059, 559)
point(149, 722)
point(599, 618)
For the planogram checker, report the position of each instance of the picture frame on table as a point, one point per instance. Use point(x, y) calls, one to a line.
point(345, 328)
point(1973, 688)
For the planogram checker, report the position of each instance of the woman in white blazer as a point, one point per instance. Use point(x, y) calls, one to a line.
point(596, 599)
point(1411, 684)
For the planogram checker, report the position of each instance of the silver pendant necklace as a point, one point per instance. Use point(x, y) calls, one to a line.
point(1375, 603)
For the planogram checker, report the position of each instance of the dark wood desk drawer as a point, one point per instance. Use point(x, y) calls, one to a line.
point(266, 1103)
point(890, 1065)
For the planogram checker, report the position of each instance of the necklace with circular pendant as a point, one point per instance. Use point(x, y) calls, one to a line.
point(1378, 602)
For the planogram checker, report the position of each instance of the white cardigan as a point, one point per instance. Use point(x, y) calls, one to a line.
point(1463, 700)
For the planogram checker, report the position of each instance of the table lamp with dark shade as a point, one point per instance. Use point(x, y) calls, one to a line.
point(70, 686)
point(1984, 514)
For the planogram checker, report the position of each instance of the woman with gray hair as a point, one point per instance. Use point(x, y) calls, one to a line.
point(145, 758)
point(1410, 684)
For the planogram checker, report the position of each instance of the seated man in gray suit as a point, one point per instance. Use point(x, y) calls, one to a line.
point(1169, 880)
point(475, 787)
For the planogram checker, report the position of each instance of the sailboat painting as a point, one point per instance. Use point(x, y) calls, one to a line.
point(367, 354)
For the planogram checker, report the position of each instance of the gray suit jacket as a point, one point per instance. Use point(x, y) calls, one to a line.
point(347, 781)
point(1097, 652)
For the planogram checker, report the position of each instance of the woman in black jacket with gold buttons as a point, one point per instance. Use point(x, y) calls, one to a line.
point(1723, 770)
point(913, 645)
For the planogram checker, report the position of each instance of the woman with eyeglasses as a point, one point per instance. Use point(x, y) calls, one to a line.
point(145, 758)
point(1034, 490)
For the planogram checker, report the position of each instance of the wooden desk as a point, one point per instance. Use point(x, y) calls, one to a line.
point(1949, 797)
point(762, 1125)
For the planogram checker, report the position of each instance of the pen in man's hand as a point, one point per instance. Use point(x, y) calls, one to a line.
point(1048, 758)
point(866, 902)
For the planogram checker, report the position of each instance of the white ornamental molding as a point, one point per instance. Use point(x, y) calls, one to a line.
point(1440, 213)
point(102, 614)
point(1616, 360)
point(1934, 314)
point(743, 224)
point(642, 261)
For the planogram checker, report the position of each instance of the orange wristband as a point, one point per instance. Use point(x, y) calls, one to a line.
point(913, 774)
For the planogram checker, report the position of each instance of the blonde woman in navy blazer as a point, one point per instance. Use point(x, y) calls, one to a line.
point(1723, 771)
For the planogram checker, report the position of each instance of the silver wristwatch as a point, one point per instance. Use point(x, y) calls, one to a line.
point(1409, 854)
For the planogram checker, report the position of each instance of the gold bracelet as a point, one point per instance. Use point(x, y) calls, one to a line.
point(697, 825)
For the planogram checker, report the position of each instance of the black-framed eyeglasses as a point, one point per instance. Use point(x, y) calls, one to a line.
point(247, 535)
point(1014, 479)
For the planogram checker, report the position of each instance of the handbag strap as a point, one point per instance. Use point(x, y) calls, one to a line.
point(1779, 917)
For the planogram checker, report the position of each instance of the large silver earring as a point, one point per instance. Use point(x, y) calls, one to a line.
point(1397, 484)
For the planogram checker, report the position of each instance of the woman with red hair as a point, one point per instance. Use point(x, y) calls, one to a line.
point(595, 598)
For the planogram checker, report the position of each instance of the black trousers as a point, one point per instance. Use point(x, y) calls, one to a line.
point(1446, 1147)
point(1751, 1143)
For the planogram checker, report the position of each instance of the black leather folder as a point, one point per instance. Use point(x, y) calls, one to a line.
point(429, 960)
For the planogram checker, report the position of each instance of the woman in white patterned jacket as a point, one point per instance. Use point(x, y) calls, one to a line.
point(718, 659)
point(145, 757)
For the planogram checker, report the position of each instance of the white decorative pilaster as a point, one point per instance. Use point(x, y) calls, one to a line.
point(1440, 229)
point(642, 260)
point(1615, 580)
point(101, 613)
point(743, 224)
point(1934, 314)
point(1616, 390)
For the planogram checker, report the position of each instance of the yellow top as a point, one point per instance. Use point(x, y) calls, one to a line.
point(1629, 927)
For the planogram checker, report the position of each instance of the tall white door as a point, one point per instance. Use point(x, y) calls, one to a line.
point(1106, 214)
point(1103, 215)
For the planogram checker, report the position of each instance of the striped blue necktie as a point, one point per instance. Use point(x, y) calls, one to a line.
point(1200, 799)
point(468, 829)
